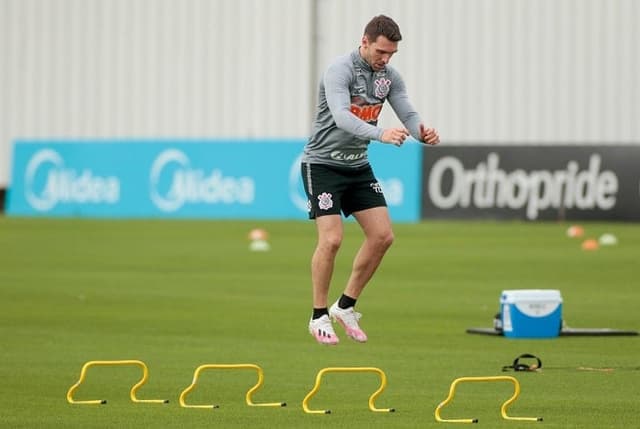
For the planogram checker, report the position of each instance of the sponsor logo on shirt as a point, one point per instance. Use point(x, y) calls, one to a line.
point(348, 156)
point(367, 112)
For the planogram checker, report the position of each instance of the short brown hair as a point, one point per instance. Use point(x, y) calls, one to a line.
point(382, 25)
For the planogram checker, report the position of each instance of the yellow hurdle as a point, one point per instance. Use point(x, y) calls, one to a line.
point(503, 409)
point(372, 398)
point(248, 396)
point(132, 393)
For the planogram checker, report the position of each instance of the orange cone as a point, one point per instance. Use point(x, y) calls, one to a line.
point(590, 244)
point(575, 231)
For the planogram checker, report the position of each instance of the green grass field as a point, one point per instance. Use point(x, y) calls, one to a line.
point(178, 294)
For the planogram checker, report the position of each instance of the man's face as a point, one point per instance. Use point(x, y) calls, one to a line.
point(378, 53)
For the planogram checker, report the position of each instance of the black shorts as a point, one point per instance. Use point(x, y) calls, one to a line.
point(332, 190)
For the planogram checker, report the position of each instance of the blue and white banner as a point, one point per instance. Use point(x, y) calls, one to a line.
point(232, 179)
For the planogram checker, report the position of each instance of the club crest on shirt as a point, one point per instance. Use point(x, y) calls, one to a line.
point(382, 87)
point(325, 201)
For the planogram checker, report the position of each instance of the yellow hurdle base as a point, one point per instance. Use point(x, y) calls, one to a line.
point(503, 408)
point(372, 398)
point(132, 392)
point(248, 396)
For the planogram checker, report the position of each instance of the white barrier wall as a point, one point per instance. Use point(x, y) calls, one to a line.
point(157, 68)
point(493, 71)
point(505, 71)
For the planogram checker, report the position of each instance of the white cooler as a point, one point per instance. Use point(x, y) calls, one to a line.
point(531, 313)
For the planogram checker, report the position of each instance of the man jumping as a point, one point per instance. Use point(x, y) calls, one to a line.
point(337, 175)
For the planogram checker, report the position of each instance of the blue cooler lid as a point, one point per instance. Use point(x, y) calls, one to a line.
point(533, 302)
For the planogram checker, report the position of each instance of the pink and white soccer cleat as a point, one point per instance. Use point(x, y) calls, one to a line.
point(322, 330)
point(348, 318)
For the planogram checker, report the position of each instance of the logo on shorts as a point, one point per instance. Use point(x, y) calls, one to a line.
point(383, 86)
point(325, 201)
point(376, 187)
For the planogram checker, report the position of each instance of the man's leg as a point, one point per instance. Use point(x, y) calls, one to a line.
point(329, 240)
point(330, 232)
point(376, 224)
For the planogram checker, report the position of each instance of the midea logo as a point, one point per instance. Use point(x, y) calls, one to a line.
point(187, 185)
point(48, 182)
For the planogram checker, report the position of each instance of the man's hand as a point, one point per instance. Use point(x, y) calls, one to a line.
point(395, 136)
point(429, 135)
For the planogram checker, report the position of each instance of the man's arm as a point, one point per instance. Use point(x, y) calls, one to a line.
point(336, 87)
point(399, 100)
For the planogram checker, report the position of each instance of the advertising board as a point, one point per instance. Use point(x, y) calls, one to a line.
point(532, 182)
point(232, 179)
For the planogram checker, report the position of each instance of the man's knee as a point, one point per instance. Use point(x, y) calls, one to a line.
point(330, 242)
point(383, 239)
point(388, 238)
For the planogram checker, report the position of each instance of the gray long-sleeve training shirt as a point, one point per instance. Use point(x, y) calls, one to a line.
point(350, 100)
